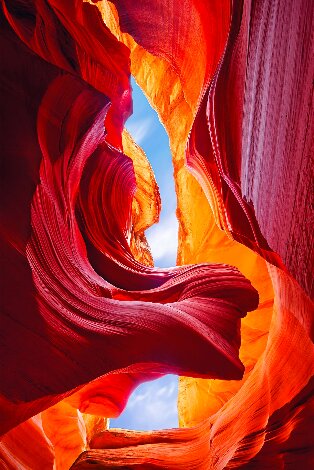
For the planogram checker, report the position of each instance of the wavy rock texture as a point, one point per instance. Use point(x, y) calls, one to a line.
point(274, 402)
point(92, 318)
point(89, 319)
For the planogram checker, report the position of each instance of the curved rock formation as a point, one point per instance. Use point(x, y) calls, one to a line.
point(85, 315)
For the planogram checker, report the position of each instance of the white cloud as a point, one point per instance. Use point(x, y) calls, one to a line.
point(139, 129)
point(163, 238)
point(136, 398)
point(153, 405)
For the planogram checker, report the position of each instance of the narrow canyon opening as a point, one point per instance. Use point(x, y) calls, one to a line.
point(153, 405)
point(149, 133)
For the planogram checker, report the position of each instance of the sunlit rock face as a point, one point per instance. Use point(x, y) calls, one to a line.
point(85, 315)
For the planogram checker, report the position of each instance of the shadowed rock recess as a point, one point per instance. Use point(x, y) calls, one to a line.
point(85, 315)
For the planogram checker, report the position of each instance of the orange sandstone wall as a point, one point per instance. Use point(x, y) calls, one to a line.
point(231, 82)
point(261, 420)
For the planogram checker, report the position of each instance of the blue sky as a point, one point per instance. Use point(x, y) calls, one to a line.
point(153, 405)
point(149, 134)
